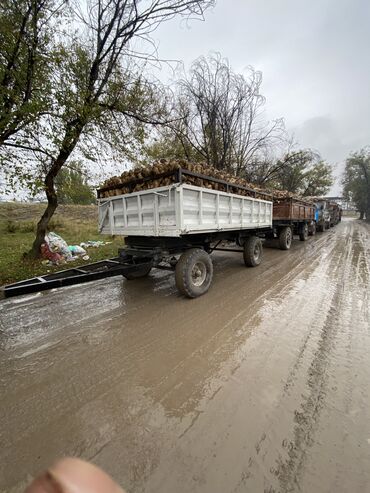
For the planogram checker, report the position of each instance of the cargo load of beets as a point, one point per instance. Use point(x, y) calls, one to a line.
point(167, 172)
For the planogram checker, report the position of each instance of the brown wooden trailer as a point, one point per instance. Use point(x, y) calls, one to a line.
point(292, 216)
point(335, 213)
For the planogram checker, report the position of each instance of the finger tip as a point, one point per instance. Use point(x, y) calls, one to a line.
point(72, 475)
point(44, 483)
point(83, 476)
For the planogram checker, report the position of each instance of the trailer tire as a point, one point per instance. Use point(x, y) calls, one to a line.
point(312, 230)
point(303, 233)
point(141, 272)
point(194, 273)
point(285, 238)
point(253, 251)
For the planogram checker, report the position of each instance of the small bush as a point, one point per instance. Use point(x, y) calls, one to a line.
point(28, 227)
point(57, 223)
point(11, 226)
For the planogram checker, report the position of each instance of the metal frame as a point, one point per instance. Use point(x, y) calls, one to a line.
point(173, 244)
point(76, 275)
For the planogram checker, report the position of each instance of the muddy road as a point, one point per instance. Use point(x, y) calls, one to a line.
point(261, 385)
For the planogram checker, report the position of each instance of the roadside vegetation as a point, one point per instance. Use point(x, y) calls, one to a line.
point(356, 181)
point(75, 223)
point(72, 81)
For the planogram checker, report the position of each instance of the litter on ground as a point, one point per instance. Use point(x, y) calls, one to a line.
point(56, 251)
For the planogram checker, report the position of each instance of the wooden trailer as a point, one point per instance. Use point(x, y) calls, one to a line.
point(292, 216)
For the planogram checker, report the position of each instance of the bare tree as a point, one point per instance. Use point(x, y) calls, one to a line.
point(219, 115)
point(92, 82)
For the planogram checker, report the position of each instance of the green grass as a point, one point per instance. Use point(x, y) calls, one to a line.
point(73, 223)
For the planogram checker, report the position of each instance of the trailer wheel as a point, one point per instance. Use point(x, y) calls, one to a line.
point(312, 230)
point(194, 273)
point(285, 238)
point(303, 234)
point(140, 272)
point(253, 251)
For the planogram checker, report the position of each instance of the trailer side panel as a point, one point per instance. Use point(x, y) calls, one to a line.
point(293, 210)
point(176, 210)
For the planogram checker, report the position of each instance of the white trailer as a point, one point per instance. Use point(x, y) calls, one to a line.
point(176, 227)
point(177, 210)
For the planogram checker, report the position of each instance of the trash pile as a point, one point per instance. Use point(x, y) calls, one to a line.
point(55, 250)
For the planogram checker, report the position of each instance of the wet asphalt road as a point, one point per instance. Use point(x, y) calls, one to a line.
point(262, 385)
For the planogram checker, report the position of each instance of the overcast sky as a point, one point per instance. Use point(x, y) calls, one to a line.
point(314, 55)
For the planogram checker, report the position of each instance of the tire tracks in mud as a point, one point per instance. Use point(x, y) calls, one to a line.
point(314, 363)
point(307, 416)
point(232, 350)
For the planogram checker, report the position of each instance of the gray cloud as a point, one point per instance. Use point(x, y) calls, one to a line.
point(313, 55)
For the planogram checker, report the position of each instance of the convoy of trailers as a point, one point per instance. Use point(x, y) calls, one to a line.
point(177, 227)
point(328, 214)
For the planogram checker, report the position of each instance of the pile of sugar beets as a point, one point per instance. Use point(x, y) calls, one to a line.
point(125, 183)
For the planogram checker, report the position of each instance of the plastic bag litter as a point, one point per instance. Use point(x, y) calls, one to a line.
point(58, 245)
point(92, 243)
point(50, 256)
point(55, 250)
point(77, 250)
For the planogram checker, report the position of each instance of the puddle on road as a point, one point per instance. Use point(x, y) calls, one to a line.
point(238, 390)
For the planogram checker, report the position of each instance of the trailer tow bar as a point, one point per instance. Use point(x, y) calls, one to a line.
point(76, 275)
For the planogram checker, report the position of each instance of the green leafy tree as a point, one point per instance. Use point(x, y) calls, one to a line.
point(72, 185)
point(317, 180)
point(76, 87)
point(304, 173)
point(356, 181)
point(290, 170)
point(26, 39)
point(95, 86)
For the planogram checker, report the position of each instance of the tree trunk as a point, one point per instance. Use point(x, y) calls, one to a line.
point(42, 225)
point(362, 214)
point(71, 136)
